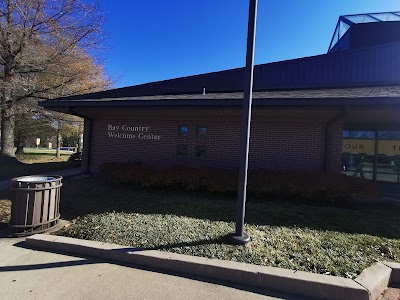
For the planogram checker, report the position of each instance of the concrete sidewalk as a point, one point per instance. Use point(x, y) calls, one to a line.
point(32, 274)
point(5, 184)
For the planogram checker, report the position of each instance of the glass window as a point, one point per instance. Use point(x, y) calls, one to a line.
point(335, 37)
point(182, 150)
point(358, 134)
point(389, 135)
point(200, 150)
point(343, 29)
point(183, 131)
point(202, 132)
point(386, 16)
point(361, 19)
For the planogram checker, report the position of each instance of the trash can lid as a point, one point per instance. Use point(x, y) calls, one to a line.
point(35, 178)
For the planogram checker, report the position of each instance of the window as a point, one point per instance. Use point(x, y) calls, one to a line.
point(358, 134)
point(201, 150)
point(183, 131)
point(182, 150)
point(389, 135)
point(201, 132)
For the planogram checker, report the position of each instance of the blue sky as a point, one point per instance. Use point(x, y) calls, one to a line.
point(156, 39)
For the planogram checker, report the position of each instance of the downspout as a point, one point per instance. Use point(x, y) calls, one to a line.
point(340, 116)
point(85, 169)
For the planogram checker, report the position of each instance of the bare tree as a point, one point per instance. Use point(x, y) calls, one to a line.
point(44, 53)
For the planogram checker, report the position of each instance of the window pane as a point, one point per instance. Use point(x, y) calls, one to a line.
point(358, 134)
point(388, 168)
point(386, 16)
point(389, 135)
point(183, 131)
point(358, 165)
point(361, 19)
point(335, 38)
point(202, 132)
point(342, 29)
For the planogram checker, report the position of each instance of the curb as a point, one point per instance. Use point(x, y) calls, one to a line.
point(375, 279)
point(395, 276)
point(368, 285)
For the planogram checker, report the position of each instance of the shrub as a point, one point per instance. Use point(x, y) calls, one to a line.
point(75, 159)
point(312, 187)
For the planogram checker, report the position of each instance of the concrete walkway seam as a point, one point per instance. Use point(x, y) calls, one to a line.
point(271, 278)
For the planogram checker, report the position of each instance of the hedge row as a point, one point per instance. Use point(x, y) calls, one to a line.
point(261, 184)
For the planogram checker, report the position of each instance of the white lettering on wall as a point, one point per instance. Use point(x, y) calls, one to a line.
point(117, 135)
point(125, 132)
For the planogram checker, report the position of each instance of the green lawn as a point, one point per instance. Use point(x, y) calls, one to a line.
point(34, 161)
point(44, 151)
point(320, 239)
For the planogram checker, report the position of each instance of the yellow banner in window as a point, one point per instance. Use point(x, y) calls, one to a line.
point(358, 146)
point(389, 147)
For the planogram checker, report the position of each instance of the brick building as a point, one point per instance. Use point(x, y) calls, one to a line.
point(300, 108)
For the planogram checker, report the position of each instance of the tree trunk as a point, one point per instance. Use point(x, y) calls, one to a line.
point(20, 145)
point(7, 134)
point(79, 150)
point(7, 151)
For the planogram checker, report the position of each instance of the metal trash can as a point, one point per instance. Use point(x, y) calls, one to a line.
point(35, 203)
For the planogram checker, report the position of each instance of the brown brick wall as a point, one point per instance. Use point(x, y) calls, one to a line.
point(335, 142)
point(280, 145)
point(85, 168)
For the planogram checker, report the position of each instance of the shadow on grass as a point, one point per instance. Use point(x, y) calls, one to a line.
point(165, 247)
point(219, 240)
point(88, 196)
point(16, 168)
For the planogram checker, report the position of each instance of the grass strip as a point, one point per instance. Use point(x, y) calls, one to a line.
point(339, 241)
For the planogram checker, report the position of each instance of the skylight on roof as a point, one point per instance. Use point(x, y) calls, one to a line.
point(345, 22)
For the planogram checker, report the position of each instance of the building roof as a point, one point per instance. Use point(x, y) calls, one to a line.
point(333, 96)
point(365, 70)
point(375, 66)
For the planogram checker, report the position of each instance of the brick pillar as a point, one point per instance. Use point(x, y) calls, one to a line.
point(334, 149)
point(86, 146)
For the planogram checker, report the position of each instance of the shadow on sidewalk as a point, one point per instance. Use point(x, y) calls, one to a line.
point(47, 266)
point(87, 260)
